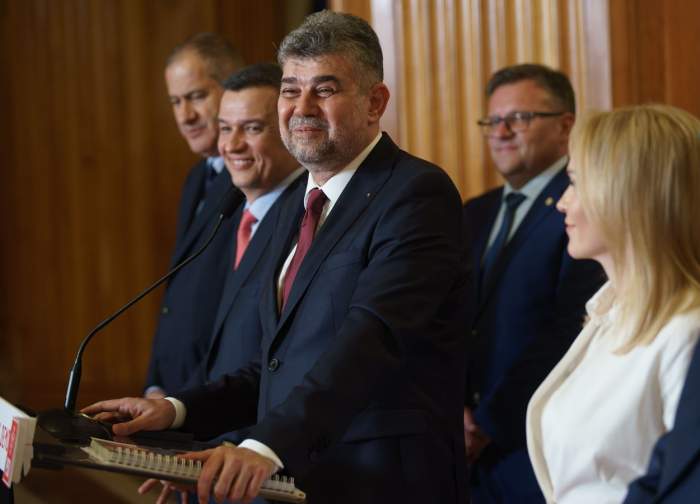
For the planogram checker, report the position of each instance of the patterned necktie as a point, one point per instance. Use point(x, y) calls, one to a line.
point(512, 202)
point(245, 227)
point(314, 207)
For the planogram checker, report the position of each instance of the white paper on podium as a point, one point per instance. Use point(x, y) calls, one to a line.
point(16, 438)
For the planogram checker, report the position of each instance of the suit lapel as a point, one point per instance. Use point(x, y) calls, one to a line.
point(211, 205)
point(190, 197)
point(286, 225)
point(231, 285)
point(489, 216)
point(357, 196)
point(543, 206)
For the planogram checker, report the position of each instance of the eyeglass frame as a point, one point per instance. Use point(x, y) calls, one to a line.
point(489, 124)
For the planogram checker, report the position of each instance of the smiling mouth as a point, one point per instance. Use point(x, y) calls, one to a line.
point(240, 163)
point(191, 132)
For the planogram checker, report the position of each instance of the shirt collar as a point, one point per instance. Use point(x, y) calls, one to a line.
point(335, 185)
point(602, 305)
point(263, 203)
point(216, 163)
point(534, 187)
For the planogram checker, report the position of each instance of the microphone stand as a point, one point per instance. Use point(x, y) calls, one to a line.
point(65, 423)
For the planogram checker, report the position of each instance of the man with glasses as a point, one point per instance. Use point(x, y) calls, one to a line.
point(528, 300)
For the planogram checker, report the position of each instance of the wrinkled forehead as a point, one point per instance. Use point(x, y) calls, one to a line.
point(311, 70)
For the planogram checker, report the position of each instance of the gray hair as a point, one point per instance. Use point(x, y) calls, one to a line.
point(219, 55)
point(327, 32)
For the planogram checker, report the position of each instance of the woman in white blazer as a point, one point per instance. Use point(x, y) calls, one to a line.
point(634, 206)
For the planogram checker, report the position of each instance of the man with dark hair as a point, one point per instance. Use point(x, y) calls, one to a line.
point(192, 75)
point(529, 295)
point(264, 171)
point(358, 394)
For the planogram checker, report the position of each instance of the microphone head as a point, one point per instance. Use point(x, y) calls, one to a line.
point(230, 202)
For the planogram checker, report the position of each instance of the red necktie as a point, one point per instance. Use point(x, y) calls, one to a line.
point(314, 207)
point(243, 236)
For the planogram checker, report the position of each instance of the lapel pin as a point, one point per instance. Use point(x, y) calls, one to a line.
point(549, 201)
point(369, 194)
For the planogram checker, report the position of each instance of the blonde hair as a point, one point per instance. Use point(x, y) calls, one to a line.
point(638, 180)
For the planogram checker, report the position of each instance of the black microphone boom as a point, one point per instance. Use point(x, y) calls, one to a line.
point(229, 203)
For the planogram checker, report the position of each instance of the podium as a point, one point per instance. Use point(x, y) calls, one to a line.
point(25, 445)
point(16, 438)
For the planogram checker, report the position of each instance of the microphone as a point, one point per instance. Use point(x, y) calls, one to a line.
point(67, 425)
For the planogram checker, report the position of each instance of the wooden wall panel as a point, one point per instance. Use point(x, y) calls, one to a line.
point(655, 52)
point(92, 167)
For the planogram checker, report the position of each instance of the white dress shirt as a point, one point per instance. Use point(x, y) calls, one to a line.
point(592, 424)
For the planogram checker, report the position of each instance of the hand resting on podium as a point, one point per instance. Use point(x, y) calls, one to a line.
point(234, 473)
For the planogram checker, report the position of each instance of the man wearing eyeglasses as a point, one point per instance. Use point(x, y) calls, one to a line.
point(529, 297)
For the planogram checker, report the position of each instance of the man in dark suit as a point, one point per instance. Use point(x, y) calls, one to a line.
point(192, 75)
point(529, 295)
point(673, 476)
point(358, 393)
point(267, 174)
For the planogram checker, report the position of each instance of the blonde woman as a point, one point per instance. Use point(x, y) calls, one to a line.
point(634, 206)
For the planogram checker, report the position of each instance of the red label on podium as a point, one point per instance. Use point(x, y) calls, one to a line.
point(10, 439)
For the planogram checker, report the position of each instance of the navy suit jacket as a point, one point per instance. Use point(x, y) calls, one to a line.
point(673, 476)
point(192, 295)
point(359, 392)
point(236, 335)
point(522, 322)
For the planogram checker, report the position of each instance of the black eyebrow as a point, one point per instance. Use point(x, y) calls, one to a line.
point(314, 80)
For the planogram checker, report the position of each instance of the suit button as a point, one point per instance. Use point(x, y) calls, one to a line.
point(273, 365)
point(165, 310)
point(474, 332)
point(476, 397)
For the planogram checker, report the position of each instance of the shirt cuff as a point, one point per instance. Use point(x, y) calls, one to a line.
point(180, 412)
point(154, 388)
point(263, 450)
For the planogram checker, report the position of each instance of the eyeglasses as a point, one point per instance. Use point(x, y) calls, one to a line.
point(516, 122)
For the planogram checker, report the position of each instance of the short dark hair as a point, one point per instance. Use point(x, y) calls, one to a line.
point(327, 32)
point(556, 83)
point(218, 54)
point(261, 74)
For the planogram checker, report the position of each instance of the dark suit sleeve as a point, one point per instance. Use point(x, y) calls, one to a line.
point(673, 474)
point(502, 413)
point(399, 306)
point(644, 490)
point(224, 405)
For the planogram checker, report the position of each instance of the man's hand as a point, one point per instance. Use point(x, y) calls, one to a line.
point(474, 439)
point(239, 473)
point(144, 414)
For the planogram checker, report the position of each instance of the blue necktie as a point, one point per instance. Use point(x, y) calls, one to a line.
point(512, 201)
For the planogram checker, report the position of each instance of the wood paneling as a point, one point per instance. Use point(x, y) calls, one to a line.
point(92, 167)
point(655, 52)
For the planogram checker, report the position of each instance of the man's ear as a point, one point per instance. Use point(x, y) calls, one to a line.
point(567, 122)
point(378, 100)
